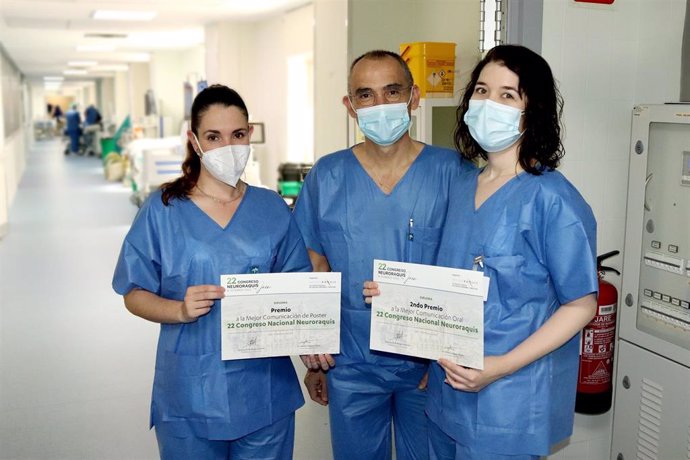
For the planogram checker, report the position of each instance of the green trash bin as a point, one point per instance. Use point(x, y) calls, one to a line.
point(107, 146)
point(111, 144)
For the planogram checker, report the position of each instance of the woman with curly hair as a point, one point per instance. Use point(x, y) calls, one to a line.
point(534, 236)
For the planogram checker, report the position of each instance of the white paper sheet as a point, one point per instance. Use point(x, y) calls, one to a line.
point(429, 312)
point(280, 314)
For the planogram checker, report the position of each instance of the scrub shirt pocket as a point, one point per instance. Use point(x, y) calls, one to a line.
point(423, 248)
point(334, 243)
point(335, 248)
point(259, 258)
point(503, 404)
point(506, 279)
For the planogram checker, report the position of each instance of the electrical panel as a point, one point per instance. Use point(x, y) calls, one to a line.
point(654, 325)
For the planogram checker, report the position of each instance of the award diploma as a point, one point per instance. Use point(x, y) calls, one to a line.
point(280, 314)
point(429, 312)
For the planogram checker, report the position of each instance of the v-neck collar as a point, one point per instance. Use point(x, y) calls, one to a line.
point(500, 191)
point(372, 181)
point(247, 193)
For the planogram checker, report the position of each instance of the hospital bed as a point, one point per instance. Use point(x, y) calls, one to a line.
point(152, 162)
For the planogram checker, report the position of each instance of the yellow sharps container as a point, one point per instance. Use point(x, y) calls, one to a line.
point(432, 65)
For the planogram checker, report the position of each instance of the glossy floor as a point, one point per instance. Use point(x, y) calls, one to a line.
point(75, 366)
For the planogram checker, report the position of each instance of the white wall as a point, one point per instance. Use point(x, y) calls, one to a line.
point(331, 64)
point(107, 107)
point(169, 71)
point(229, 50)
point(252, 59)
point(139, 82)
point(455, 21)
point(88, 97)
point(608, 59)
point(12, 158)
point(5, 155)
point(38, 104)
point(122, 98)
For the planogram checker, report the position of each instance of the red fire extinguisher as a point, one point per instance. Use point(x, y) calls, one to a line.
point(594, 385)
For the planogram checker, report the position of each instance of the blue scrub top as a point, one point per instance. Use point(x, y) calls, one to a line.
point(73, 121)
point(172, 247)
point(344, 216)
point(538, 239)
point(92, 115)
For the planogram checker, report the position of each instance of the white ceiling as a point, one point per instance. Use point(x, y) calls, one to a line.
point(41, 36)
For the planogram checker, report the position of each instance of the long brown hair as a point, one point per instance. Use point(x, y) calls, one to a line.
point(181, 187)
point(541, 146)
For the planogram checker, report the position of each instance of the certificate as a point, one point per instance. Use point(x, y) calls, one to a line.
point(429, 312)
point(280, 314)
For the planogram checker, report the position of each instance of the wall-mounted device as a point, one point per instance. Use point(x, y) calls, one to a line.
point(652, 394)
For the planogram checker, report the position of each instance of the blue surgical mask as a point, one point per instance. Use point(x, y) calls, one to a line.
point(494, 126)
point(384, 124)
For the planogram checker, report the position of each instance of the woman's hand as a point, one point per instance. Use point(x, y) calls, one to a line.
point(315, 382)
point(473, 380)
point(316, 362)
point(371, 289)
point(198, 301)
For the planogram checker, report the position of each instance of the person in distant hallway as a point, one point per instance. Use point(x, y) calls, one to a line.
point(57, 115)
point(73, 129)
point(93, 124)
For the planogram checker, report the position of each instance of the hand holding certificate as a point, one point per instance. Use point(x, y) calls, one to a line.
point(280, 314)
point(429, 312)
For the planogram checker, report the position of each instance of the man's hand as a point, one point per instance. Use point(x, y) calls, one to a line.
point(315, 382)
point(371, 289)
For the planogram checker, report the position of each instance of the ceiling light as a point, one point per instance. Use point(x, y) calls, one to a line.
point(53, 78)
point(103, 35)
point(74, 72)
point(111, 68)
point(123, 15)
point(82, 63)
point(95, 48)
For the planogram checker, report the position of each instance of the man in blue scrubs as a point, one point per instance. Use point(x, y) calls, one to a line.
point(93, 123)
point(73, 129)
point(385, 198)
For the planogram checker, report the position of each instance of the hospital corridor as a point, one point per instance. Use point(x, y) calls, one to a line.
point(76, 366)
point(451, 228)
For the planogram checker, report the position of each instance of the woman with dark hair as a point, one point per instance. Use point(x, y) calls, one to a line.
point(204, 224)
point(534, 236)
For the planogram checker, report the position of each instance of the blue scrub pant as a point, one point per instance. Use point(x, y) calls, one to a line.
point(274, 442)
point(363, 400)
point(443, 447)
point(74, 140)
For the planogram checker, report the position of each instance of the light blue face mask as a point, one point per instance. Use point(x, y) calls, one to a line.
point(384, 124)
point(494, 126)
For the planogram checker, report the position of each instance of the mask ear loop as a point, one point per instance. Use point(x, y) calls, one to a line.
point(409, 101)
point(198, 145)
point(243, 176)
point(352, 105)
